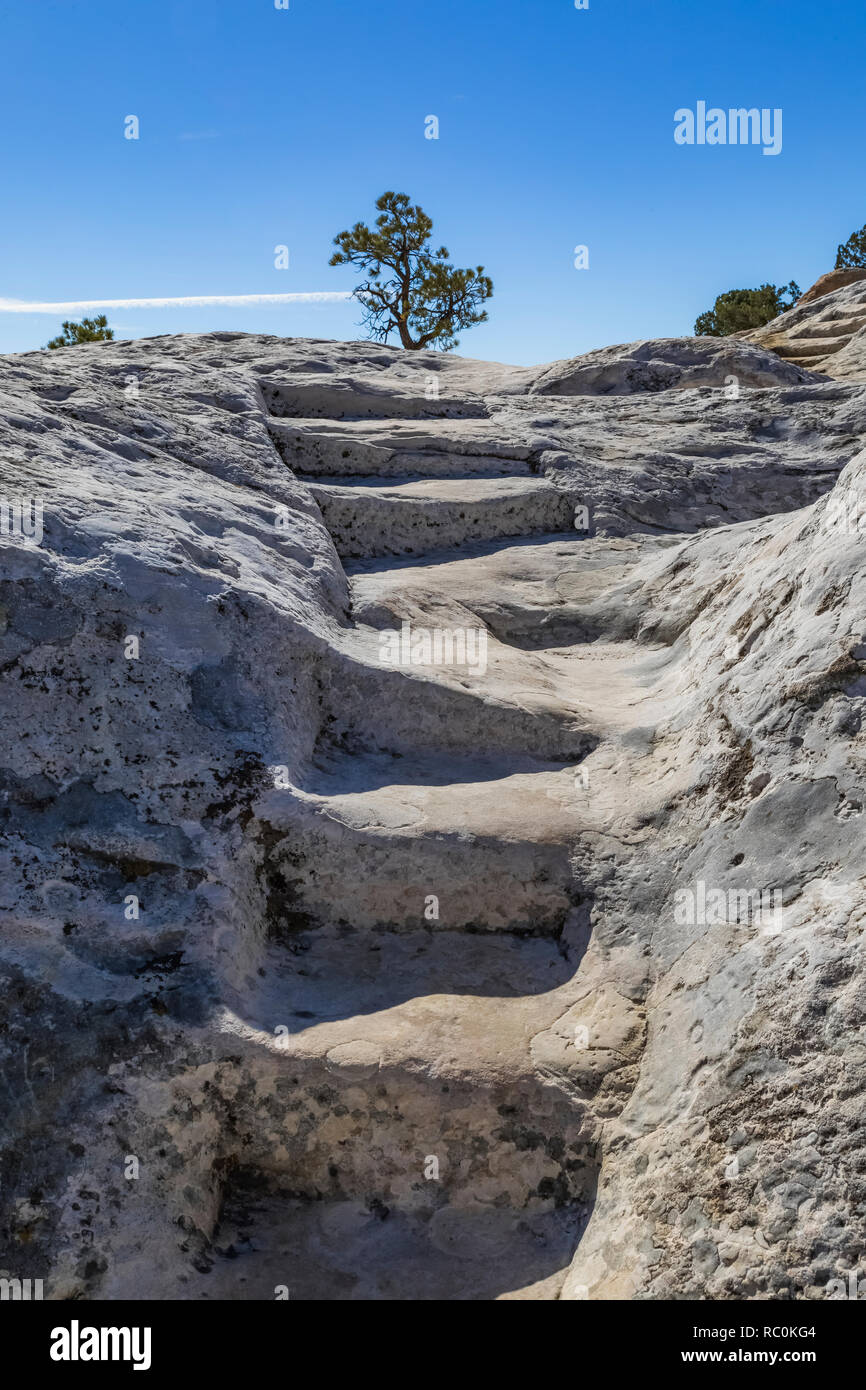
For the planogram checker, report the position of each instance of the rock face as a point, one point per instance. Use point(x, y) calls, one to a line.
point(824, 332)
point(432, 823)
point(665, 364)
point(833, 280)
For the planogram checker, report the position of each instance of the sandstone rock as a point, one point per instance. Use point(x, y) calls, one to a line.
point(447, 978)
point(833, 280)
point(824, 331)
point(662, 365)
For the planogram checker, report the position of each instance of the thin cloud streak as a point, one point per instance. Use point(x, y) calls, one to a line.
point(189, 301)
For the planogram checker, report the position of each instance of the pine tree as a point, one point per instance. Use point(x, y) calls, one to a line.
point(87, 331)
point(410, 288)
point(852, 253)
point(739, 310)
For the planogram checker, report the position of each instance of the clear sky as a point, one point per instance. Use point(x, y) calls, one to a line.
point(262, 127)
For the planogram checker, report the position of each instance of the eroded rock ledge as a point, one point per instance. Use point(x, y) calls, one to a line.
point(340, 976)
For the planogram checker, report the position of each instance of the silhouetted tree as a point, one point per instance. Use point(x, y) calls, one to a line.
point(409, 287)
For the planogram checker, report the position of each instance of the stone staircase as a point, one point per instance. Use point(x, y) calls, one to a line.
point(396, 501)
point(820, 325)
point(431, 953)
point(820, 340)
point(411, 1008)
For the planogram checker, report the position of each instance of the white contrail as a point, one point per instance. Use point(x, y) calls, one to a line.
point(73, 306)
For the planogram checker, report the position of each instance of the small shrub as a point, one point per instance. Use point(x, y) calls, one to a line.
point(87, 331)
point(739, 310)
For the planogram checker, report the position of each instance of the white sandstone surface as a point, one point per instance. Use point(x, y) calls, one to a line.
point(330, 974)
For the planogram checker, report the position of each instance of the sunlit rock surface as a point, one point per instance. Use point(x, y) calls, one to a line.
point(338, 964)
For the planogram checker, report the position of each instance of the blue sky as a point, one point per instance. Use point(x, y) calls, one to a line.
point(262, 127)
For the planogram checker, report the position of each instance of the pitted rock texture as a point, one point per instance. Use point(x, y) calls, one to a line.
point(350, 978)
